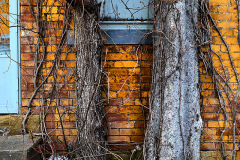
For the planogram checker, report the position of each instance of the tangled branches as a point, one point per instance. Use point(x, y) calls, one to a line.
point(224, 78)
point(174, 84)
point(89, 115)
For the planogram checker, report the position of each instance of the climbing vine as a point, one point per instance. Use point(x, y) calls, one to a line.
point(59, 68)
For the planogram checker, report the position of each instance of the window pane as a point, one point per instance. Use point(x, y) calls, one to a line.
point(127, 10)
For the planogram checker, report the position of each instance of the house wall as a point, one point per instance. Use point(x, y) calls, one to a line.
point(55, 100)
point(126, 89)
point(124, 108)
point(126, 101)
point(225, 15)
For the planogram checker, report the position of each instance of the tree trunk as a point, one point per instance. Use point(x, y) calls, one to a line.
point(89, 114)
point(89, 5)
point(174, 126)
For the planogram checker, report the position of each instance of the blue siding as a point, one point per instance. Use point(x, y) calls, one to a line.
point(9, 68)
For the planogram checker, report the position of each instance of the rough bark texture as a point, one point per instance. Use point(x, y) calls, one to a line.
point(174, 126)
point(89, 5)
point(88, 73)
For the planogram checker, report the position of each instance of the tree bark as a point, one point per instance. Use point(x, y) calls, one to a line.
point(89, 5)
point(174, 126)
point(89, 115)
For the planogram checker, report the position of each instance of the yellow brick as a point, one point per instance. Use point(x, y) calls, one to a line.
point(50, 57)
point(25, 102)
point(55, 17)
point(208, 86)
point(134, 71)
point(217, 40)
point(49, 64)
point(70, 63)
point(210, 101)
point(234, 48)
point(217, 124)
point(126, 64)
point(221, 17)
point(126, 94)
point(208, 93)
point(53, 9)
point(227, 32)
point(227, 9)
point(233, 79)
point(36, 102)
point(230, 40)
point(216, 48)
point(219, 2)
point(71, 56)
point(223, 49)
point(145, 94)
point(66, 117)
point(5, 8)
point(118, 56)
point(112, 94)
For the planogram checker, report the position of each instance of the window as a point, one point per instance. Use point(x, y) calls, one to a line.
point(9, 57)
point(126, 21)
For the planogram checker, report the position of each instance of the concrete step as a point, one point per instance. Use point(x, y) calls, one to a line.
point(19, 147)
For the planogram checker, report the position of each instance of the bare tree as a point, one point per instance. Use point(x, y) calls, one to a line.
point(175, 123)
point(89, 114)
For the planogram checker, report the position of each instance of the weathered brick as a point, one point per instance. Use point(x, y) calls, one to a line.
point(118, 139)
point(131, 132)
point(113, 132)
point(130, 109)
point(126, 85)
point(137, 138)
point(27, 63)
point(122, 124)
point(125, 94)
point(111, 109)
point(136, 117)
point(117, 117)
point(116, 102)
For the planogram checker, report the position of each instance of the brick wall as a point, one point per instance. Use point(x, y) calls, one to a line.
point(56, 98)
point(4, 29)
point(225, 15)
point(127, 80)
point(126, 90)
point(126, 85)
point(4, 11)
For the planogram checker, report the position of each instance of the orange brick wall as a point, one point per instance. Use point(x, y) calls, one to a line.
point(4, 23)
point(56, 98)
point(126, 90)
point(224, 13)
point(4, 11)
point(127, 79)
point(126, 86)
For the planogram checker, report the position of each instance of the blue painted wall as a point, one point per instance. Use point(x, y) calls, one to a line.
point(9, 68)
